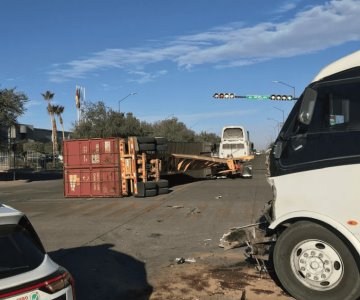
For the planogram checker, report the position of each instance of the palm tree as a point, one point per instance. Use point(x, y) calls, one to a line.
point(48, 96)
point(59, 110)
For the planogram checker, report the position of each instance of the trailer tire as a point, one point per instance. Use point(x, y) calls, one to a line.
point(151, 193)
point(312, 262)
point(161, 140)
point(147, 147)
point(145, 140)
point(163, 191)
point(162, 147)
point(162, 183)
point(144, 187)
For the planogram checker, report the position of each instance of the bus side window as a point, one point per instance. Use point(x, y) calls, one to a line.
point(339, 111)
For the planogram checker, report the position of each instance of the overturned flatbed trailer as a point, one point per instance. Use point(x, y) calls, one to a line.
point(219, 166)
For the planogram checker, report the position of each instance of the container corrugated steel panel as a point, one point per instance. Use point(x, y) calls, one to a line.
point(91, 153)
point(92, 182)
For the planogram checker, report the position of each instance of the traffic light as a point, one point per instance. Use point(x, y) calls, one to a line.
point(282, 97)
point(224, 95)
point(254, 97)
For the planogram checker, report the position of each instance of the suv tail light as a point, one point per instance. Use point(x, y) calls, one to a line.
point(51, 284)
point(58, 283)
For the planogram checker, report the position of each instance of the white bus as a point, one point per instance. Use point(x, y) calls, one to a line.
point(234, 142)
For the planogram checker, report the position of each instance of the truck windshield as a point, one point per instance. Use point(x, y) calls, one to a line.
point(20, 250)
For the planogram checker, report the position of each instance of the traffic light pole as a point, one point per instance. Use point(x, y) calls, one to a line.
point(231, 96)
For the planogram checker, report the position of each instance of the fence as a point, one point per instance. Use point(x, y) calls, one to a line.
point(31, 160)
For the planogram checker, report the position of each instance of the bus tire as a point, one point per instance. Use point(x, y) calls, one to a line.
point(312, 262)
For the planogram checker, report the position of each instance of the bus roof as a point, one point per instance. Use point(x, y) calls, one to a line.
point(347, 62)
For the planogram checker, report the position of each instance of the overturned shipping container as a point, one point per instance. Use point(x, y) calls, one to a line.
point(111, 167)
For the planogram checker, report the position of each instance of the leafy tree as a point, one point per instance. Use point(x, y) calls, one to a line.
point(12, 105)
point(173, 130)
point(34, 146)
point(101, 121)
point(48, 148)
point(208, 137)
point(94, 121)
point(132, 126)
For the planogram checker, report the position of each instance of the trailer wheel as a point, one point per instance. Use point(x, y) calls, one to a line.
point(161, 141)
point(162, 147)
point(145, 140)
point(147, 147)
point(151, 193)
point(163, 191)
point(146, 189)
point(312, 262)
point(162, 183)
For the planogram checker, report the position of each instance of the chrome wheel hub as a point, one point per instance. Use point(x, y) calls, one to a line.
point(316, 264)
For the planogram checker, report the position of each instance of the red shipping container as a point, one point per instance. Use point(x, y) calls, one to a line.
point(92, 182)
point(91, 153)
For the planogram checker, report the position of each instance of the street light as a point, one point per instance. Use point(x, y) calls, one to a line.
point(281, 111)
point(121, 100)
point(284, 83)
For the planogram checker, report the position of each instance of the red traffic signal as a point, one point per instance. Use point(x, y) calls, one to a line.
point(224, 95)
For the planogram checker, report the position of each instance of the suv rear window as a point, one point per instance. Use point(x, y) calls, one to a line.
point(20, 250)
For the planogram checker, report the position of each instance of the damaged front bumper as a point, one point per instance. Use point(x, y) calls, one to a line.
point(255, 237)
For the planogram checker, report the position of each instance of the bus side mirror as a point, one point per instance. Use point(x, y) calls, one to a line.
point(307, 106)
point(278, 147)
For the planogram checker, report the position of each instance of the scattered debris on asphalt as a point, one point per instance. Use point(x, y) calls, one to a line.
point(175, 206)
point(181, 260)
point(155, 235)
point(218, 197)
point(194, 211)
point(240, 236)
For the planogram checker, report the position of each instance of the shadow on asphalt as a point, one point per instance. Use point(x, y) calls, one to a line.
point(31, 176)
point(102, 273)
point(180, 179)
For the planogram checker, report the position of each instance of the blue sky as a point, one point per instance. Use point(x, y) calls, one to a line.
point(174, 54)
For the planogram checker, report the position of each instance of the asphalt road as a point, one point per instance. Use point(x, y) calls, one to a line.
point(122, 248)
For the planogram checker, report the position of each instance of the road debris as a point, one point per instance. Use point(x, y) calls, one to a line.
point(194, 211)
point(241, 236)
point(218, 197)
point(175, 206)
point(182, 260)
